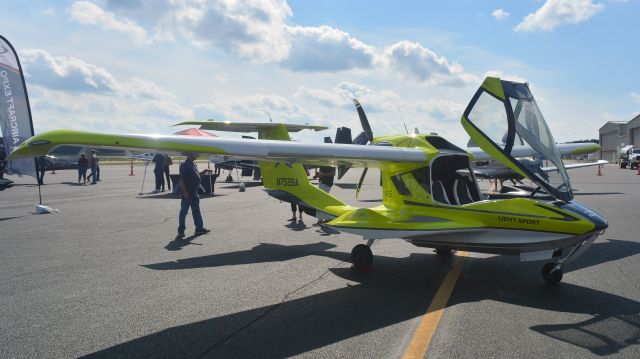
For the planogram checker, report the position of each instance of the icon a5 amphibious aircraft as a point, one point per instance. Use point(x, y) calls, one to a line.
point(430, 194)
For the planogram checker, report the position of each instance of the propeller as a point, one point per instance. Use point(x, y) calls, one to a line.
point(364, 173)
point(362, 139)
point(363, 121)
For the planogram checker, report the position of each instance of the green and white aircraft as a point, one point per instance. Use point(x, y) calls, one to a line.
point(430, 196)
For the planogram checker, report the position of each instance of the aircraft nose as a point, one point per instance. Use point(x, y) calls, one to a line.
point(597, 219)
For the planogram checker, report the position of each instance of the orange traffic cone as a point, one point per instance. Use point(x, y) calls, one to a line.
point(131, 174)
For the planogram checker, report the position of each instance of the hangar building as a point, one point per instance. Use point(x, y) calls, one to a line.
point(617, 134)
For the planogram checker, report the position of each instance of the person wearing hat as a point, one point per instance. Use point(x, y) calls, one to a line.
point(189, 186)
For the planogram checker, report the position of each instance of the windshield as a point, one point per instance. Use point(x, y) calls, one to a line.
point(533, 130)
point(516, 128)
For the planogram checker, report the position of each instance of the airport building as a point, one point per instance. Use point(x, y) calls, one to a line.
point(615, 135)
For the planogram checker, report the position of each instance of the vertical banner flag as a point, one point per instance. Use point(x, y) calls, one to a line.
point(15, 114)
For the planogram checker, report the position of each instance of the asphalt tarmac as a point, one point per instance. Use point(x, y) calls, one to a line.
point(106, 278)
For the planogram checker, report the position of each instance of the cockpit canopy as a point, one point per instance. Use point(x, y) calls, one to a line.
point(504, 114)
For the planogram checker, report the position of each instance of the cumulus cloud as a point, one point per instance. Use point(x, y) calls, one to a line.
point(257, 31)
point(503, 76)
point(253, 30)
point(325, 49)
point(555, 13)
point(415, 62)
point(500, 14)
point(88, 13)
point(342, 95)
point(65, 73)
point(75, 93)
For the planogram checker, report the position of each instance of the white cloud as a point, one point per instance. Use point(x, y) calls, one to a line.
point(555, 13)
point(252, 30)
point(257, 31)
point(65, 73)
point(503, 76)
point(635, 97)
point(417, 63)
point(500, 14)
point(71, 93)
point(325, 49)
point(88, 13)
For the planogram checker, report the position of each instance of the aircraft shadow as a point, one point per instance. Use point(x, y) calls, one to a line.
point(322, 319)
point(615, 322)
point(264, 252)
point(296, 326)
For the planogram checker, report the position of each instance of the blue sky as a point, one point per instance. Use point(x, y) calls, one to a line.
point(142, 66)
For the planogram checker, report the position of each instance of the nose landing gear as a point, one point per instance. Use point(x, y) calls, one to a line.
point(552, 273)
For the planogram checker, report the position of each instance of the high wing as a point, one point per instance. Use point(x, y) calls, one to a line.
point(265, 150)
point(565, 149)
point(249, 126)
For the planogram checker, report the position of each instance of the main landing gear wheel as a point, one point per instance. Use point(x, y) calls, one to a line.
point(361, 257)
point(551, 277)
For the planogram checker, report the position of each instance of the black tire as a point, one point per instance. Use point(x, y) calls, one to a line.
point(551, 278)
point(361, 256)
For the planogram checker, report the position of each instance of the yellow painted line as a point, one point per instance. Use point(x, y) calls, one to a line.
point(427, 327)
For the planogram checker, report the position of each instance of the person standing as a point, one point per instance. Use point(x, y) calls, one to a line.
point(42, 167)
point(189, 186)
point(94, 164)
point(294, 208)
point(3, 156)
point(167, 170)
point(83, 164)
point(158, 170)
point(325, 176)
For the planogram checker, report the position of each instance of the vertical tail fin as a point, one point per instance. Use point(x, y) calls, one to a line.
point(290, 182)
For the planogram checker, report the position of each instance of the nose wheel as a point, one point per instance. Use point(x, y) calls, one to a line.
point(552, 273)
point(361, 257)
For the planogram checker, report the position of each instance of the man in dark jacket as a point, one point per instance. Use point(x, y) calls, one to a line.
point(158, 171)
point(189, 188)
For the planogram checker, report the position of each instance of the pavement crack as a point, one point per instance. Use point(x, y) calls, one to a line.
point(273, 308)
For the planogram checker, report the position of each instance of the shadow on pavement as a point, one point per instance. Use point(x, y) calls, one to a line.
point(399, 290)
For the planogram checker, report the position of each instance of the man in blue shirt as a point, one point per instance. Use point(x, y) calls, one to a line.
point(158, 171)
point(189, 186)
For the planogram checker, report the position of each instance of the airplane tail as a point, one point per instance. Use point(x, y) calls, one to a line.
point(290, 183)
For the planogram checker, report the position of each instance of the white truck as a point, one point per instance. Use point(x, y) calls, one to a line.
point(629, 156)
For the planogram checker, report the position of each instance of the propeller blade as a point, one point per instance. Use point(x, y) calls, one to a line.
point(361, 139)
point(363, 120)
point(342, 170)
point(364, 173)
